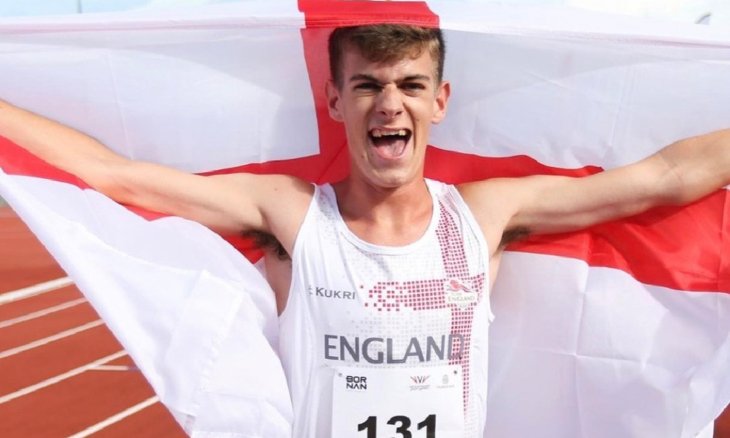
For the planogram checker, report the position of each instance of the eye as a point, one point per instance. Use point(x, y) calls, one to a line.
point(367, 86)
point(413, 86)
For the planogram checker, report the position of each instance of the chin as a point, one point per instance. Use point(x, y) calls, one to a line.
point(392, 179)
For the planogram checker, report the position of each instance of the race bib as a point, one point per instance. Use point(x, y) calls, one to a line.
point(398, 402)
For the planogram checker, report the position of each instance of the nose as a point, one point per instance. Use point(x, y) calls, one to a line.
point(390, 102)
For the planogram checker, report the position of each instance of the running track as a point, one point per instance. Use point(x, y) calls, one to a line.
point(63, 373)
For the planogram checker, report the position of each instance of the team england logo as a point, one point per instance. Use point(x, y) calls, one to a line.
point(459, 294)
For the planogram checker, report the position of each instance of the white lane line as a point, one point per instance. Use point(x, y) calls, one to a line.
point(114, 368)
point(49, 339)
point(61, 377)
point(116, 418)
point(37, 289)
point(42, 312)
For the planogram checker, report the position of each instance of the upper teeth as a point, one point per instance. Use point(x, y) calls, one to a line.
point(377, 133)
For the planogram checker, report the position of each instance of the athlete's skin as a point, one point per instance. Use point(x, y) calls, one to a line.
point(384, 200)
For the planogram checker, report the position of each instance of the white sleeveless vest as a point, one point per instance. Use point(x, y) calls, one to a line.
point(355, 304)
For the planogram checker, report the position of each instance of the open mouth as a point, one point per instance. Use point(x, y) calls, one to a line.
point(390, 143)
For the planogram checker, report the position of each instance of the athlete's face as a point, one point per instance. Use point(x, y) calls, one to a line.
point(388, 109)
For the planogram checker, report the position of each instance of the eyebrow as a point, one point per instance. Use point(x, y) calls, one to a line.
point(364, 77)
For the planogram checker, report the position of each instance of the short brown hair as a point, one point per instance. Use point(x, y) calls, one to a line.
point(385, 43)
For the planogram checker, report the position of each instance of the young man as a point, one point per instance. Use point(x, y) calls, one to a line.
point(389, 275)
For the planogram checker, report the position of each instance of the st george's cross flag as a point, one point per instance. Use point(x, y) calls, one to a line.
point(622, 330)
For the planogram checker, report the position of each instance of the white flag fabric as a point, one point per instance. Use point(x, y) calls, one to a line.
point(621, 330)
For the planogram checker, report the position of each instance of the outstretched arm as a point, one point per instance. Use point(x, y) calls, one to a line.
point(225, 203)
point(680, 173)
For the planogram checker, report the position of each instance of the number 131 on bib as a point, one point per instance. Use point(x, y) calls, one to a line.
point(399, 402)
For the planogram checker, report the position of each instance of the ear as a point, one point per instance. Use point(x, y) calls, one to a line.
point(441, 102)
point(333, 101)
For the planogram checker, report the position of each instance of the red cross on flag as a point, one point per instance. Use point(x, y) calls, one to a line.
point(620, 330)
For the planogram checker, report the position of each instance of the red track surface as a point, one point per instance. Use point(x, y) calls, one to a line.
point(92, 396)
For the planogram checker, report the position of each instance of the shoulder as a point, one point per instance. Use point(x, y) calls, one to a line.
point(285, 201)
point(281, 200)
point(493, 203)
point(505, 196)
point(492, 195)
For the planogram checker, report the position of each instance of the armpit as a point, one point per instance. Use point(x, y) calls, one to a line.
point(513, 235)
point(268, 243)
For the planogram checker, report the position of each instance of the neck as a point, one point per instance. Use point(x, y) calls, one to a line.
point(385, 216)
